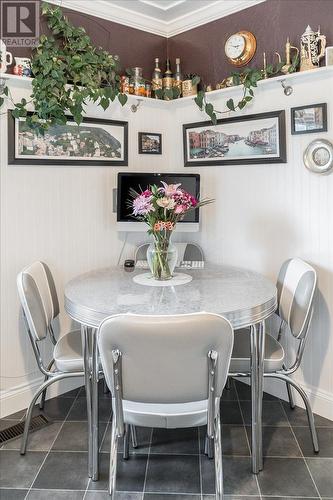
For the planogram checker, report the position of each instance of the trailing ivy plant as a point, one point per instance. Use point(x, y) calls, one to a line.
point(68, 71)
point(248, 79)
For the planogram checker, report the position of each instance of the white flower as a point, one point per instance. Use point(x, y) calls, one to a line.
point(168, 203)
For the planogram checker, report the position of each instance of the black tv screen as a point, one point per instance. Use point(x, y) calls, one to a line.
point(140, 181)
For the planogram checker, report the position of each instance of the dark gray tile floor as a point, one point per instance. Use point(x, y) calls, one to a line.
point(170, 465)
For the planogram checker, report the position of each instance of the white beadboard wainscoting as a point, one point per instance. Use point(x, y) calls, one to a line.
point(263, 215)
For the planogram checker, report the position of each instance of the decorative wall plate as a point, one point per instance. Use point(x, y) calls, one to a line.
point(318, 156)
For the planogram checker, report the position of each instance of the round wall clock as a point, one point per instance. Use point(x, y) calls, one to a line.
point(240, 48)
point(318, 156)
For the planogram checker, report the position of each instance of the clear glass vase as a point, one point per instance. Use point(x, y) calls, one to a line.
point(162, 256)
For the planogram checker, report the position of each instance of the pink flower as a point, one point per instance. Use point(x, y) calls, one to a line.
point(194, 201)
point(170, 189)
point(142, 205)
point(180, 209)
point(147, 193)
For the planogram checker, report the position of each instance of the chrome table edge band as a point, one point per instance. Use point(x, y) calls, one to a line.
point(238, 318)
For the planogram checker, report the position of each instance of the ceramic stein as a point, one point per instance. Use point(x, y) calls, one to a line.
point(6, 57)
point(22, 66)
point(312, 49)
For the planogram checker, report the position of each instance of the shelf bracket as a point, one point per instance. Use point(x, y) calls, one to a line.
point(136, 106)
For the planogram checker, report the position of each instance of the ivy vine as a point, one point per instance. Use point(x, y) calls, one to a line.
point(248, 79)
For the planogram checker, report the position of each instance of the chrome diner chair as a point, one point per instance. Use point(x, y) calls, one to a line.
point(296, 286)
point(166, 372)
point(40, 307)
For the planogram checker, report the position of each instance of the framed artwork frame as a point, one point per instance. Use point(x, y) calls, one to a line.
point(96, 142)
point(150, 143)
point(309, 119)
point(240, 140)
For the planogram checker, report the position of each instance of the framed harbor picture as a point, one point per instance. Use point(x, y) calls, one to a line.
point(309, 119)
point(95, 142)
point(240, 140)
point(150, 143)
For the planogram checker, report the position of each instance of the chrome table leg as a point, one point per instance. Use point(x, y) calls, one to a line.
point(94, 404)
point(257, 369)
point(87, 381)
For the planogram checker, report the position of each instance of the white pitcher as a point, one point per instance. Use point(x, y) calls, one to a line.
point(6, 57)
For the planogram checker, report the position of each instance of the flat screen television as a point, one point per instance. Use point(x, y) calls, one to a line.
point(139, 182)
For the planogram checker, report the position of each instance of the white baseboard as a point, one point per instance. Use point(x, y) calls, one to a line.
point(18, 398)
point(321, 401)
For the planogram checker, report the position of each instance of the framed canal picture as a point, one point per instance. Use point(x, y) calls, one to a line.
point(95, 142)
point(150, 143)
point(309, 119)
point(240, 140)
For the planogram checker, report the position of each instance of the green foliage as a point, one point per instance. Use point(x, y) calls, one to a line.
point(248, 79)
point(68, 72)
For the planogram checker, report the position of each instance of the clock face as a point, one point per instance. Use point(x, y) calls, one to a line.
point(240, 48)
point(235, 46)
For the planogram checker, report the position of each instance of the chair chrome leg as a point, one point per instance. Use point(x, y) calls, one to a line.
point(228, 384)
point(113, 460)
point(28, 415)
point(126, 442)
point(218, 460)
point(87, 382)
point(290, 396)
point(133, 436)
point(306, 402)
point(42, 399)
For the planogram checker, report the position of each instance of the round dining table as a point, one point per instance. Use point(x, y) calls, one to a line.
point(246, 298)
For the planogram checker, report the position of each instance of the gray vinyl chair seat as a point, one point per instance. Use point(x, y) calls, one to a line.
point(241, 354)
point(167, 416)
point(67, 353)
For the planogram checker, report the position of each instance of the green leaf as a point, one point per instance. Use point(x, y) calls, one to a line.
point(230, 104)
point(5, 91)
point(209, 108)
point(242, 104)
point(248, 98)
point(199, 99)
point(195, 80)
point(16, 113)
point(236, 78)
point(104, 103)
point(214, 119)
point(251, 92)
point(122, 98)
point(1, 101)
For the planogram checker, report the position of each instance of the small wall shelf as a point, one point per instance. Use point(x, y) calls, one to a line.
point(292, 79)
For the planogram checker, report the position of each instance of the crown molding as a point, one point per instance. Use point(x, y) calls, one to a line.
point(111, 12)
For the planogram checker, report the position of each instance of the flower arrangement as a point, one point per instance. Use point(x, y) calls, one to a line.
point(161, 208)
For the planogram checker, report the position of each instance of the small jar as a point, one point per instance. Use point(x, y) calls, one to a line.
point(138, 82)
point(125, 84)
point(148, 90)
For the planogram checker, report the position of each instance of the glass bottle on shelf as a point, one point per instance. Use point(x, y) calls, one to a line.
point(178, 77)
point(167, 78)
point(156, 80)
point(138, 82)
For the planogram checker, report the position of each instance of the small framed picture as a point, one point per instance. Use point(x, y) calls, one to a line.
point(150, 143)
point(309, 119)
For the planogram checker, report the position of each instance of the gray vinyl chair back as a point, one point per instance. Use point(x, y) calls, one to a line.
point(38, 299)
point(296, 286)
point(164, 358)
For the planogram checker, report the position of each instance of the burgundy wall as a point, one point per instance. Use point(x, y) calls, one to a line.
point(134, 47)
point(202, 49)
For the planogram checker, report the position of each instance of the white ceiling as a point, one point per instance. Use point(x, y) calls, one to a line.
point(161, 17)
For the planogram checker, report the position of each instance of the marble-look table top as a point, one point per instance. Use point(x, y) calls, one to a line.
point(244, 297)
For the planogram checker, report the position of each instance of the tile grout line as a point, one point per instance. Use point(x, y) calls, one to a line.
point(199, 456)
point(147, 464)
point(300, 449)
point(247, 438)
point(54, 440)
